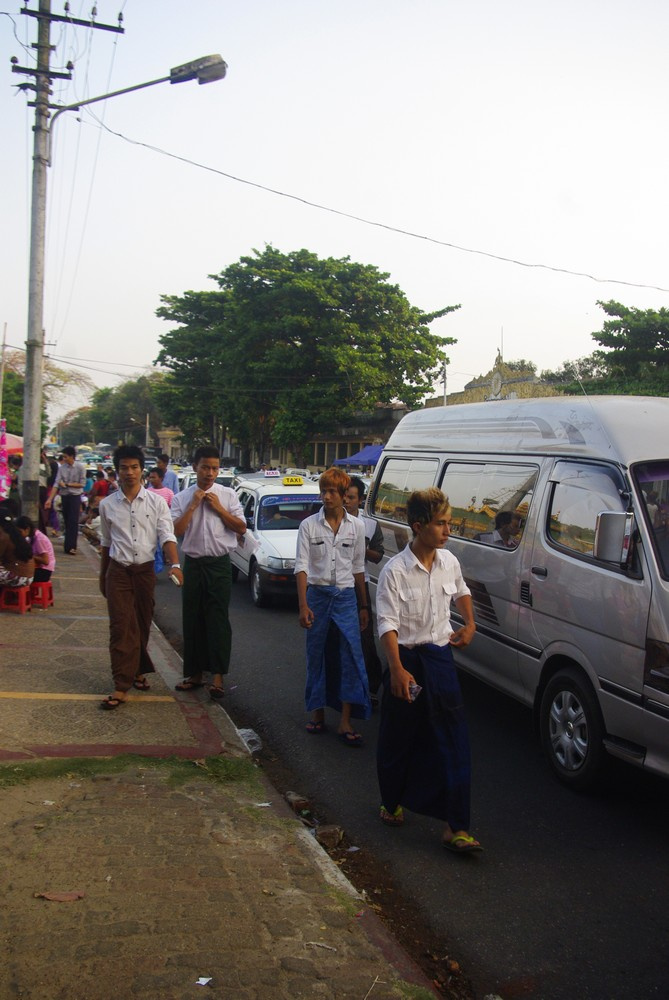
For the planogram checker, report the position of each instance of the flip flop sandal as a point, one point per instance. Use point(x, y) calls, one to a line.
point(316, 728)
point(110, 703)
point(216, 693)
point(468, 843)
point(392, 819)
point(187, 685)
point(350, 739)
point(142, 685)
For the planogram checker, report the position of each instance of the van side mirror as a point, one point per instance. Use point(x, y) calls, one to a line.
point(613, 532)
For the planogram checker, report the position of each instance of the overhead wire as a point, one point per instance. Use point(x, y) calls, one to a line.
point(380, 225)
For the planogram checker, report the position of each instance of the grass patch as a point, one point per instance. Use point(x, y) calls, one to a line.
point(413, 992)
point(221, 770)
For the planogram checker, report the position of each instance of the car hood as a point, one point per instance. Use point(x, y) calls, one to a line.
point(278, 543)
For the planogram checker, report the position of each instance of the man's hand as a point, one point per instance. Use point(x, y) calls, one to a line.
point(363, 615)
point(197, 499)
point(306, 616)
point(400, 679)
point(463, 636)
point(212, 499)
point(178, 575)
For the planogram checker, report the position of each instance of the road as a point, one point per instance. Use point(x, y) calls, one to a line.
point(569, 899)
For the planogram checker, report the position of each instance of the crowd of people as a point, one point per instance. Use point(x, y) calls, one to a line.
point(423, 746)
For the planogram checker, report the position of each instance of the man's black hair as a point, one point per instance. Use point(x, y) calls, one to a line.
point(504, 517)
point(360, 487)
point(69, 450)
point(158, 471)
point(163, 458)
point(128, 451)
point(205, 451)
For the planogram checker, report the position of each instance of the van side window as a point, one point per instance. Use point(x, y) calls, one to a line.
point(580, 492)
point(397, 481)
point(490, 501)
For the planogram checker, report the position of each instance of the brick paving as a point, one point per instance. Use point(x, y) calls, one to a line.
point(179, 880)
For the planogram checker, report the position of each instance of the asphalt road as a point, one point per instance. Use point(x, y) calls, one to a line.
point(569, 899)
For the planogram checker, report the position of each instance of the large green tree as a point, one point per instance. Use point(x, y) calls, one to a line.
point(292, 345)
point(119, 414)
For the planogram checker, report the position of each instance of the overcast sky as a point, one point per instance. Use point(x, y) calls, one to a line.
point(528, 130)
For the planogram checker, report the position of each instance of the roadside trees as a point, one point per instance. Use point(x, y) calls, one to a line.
point(292, 345)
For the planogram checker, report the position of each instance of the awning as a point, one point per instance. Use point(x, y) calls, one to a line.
point(368, 456)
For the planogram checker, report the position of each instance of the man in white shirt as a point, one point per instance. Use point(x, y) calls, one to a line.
point(329, 572)
point(423, 759)
point(133, 522)
point(210, 518)
point(69, 485)
point(170, 478)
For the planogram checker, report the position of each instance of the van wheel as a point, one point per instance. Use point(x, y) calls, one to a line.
point(258, 595)
point(235, 573)
point(572, 729)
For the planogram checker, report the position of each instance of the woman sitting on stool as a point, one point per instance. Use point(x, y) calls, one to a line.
point(43, 554)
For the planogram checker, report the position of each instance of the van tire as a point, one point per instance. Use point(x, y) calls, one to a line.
point(258, 595)
point(572, 730)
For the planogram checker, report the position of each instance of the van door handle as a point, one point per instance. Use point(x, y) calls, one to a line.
point(540, 571)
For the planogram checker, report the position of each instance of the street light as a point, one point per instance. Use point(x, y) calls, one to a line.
point(204, 70)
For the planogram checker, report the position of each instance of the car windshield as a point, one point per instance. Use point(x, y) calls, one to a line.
point(652, 481)
point(285, 513)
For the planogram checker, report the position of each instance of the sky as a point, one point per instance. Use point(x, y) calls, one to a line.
point(524, 130)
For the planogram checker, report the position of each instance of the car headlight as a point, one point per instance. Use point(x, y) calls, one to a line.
point(273, 562)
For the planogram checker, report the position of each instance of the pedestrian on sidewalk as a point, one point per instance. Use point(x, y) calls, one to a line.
point(169, 477)
point(210, 518)
point(133, 522)
point(329, 571)
point(423, 759)
point(69, 485)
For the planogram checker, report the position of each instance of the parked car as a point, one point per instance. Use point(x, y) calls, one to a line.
point(225, 477)
point(274, 509)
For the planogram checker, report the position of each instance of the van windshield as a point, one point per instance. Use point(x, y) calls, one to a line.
point(652, 484)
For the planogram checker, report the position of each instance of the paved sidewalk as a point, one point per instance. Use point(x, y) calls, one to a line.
point(180, 876)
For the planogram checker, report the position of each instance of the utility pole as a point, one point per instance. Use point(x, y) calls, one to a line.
point(32, 394)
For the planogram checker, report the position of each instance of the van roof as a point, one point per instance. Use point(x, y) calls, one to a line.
point(622, 428)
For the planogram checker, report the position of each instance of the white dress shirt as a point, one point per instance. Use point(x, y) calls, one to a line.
point(415, 602)
point(132, 530)
point(206, 535)
point(330, 560)
point(75, 473)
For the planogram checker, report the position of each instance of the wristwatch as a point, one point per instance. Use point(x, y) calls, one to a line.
point(175, 565)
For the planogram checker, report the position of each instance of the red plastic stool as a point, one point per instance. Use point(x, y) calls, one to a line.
point(15, 599)
point(41, 593)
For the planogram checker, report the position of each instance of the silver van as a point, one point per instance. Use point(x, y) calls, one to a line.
point(561, 524)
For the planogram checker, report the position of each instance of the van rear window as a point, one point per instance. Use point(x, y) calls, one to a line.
point(398, 479)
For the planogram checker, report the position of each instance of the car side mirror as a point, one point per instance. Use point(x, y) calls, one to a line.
point(613, 532)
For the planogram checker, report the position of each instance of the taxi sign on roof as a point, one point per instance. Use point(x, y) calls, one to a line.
point(271, 473)
point(292, 481)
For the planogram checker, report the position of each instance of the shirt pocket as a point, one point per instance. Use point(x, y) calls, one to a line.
point(412, 599)
point(449, 590)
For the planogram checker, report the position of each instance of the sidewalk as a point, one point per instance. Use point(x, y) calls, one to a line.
point(180, 876)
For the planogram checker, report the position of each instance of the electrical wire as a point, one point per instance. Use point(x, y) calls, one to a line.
point(381, 225)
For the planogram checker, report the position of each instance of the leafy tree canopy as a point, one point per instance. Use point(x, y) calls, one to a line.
point(635, 359)
point(119, 414)
point(292, 345)
point(12, 403)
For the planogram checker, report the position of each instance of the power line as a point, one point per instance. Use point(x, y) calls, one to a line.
point(383, 225)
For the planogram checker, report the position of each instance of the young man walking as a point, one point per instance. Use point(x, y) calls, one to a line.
point(423, 759)
point(133, 522)
point(329, 571)
point(210, 518)
point(69, 485)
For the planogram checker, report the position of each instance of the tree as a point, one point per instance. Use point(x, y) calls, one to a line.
point(120, 414)
point(57, 383)
point(635, 361)
point(75, 427)
point(292, 345)
point(12, 402)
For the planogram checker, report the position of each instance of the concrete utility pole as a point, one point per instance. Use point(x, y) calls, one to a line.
point(32, 390)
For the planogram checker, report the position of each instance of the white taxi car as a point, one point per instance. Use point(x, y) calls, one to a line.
point(274, 507)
